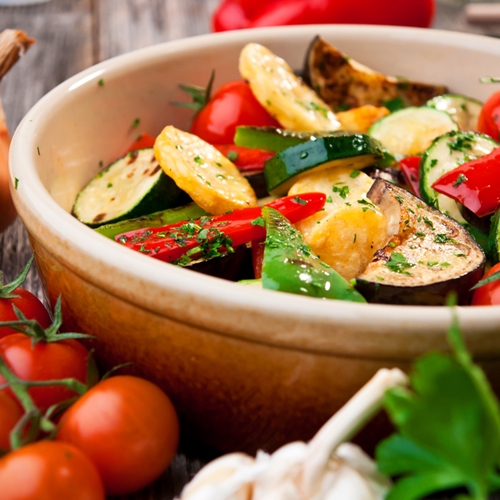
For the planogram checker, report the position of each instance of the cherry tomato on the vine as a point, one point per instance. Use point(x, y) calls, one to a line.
point(10, 413)
point(45, 361)
point(48, 470)
point(28, 304)
point(489, 118)
point(489, 294)
point(232, 105)
point(129, 429)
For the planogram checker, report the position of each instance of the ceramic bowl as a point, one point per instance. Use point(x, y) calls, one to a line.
point(246, 368)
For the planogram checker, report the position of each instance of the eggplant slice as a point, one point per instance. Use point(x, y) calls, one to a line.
point(428, 256)
point(342, 82)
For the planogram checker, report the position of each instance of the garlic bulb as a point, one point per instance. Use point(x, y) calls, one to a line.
point(326, 468)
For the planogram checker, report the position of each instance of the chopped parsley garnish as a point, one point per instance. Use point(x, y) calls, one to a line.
point(16, 183)
point(198, 160)
point(462, 142)
point(101, 82)
point(259, 221)
point(433, 162)
point(428, 222)
point(342, 191)
point(460, 180)
point(354, 174)
point(329, 199)
point(299, 200)
point(400, 199)
point(443, 238)
point(399, 264)
point(136, 122)
point(394, 104)
point(232, 155)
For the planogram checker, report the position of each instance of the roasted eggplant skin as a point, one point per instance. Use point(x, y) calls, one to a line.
point(429, 255)
point(342, 82)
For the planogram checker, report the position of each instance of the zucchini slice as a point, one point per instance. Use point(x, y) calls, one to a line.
point(132, 186)
point(429, 254)
point(287, 167)
point(411, 131)
point(213, 182)
point(294, 105)
point(446, 153)
point(341, 81)
point(464, 110)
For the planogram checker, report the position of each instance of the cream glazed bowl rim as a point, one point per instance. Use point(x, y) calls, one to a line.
point(225, 308)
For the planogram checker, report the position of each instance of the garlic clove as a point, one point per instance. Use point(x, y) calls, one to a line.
point(345, 423)
point(229, 477)
point(279, 479)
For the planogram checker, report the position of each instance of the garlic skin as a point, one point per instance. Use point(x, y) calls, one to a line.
point(326, 468)
point(229, 477)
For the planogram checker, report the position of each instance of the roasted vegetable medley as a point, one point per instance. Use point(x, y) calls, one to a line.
point(343, 183)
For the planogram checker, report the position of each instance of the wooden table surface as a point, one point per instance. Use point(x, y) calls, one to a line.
point(75, 34)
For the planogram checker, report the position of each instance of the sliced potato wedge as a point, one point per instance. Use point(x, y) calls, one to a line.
point(213, 182)
point(350, 229)
point(294, 105)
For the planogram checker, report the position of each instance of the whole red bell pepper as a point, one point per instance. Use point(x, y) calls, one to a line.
point(246, 159)
point(240, 14)
point(475, 184)
point(212, 236)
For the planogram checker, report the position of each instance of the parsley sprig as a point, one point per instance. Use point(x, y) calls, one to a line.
point(448, 428)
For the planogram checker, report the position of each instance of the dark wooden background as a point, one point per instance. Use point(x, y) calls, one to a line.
point(75, 34)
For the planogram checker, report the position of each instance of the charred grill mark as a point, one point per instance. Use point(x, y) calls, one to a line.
point(133, 157)
point(99, 218)
point(155, 170)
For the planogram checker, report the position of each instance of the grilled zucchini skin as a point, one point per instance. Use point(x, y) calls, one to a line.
point(130, 187)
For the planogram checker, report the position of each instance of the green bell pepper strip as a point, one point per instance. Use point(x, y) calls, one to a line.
point(290, 266)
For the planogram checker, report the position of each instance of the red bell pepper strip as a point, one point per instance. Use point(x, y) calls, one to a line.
point(143, 141)
point(475, 184)
point(246, 159)
point(410, 166)
point(240, 14)
point(213, 236)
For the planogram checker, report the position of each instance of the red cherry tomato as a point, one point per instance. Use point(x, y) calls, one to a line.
point(49, 470)
point(129, 429)
point(45, 361)
point(488, 295)
point(143, 141)
point(489, 118)
point(10, 413)
point(232, 105)
point(28, 304)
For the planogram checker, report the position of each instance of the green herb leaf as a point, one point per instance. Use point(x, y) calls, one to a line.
point(448, 428)
point(490, 279)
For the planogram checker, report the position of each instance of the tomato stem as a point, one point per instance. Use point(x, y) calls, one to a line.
point(33, 329)
point(5, 290)
point(33, 417)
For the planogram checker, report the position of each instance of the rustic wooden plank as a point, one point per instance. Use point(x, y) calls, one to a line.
point(63, 32)
point(125, 25)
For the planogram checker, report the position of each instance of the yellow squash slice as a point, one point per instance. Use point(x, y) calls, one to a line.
point(294, 105)
point(350, 229)
point(213, 182)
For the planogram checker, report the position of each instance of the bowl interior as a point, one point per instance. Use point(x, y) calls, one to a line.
point(90, 120)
